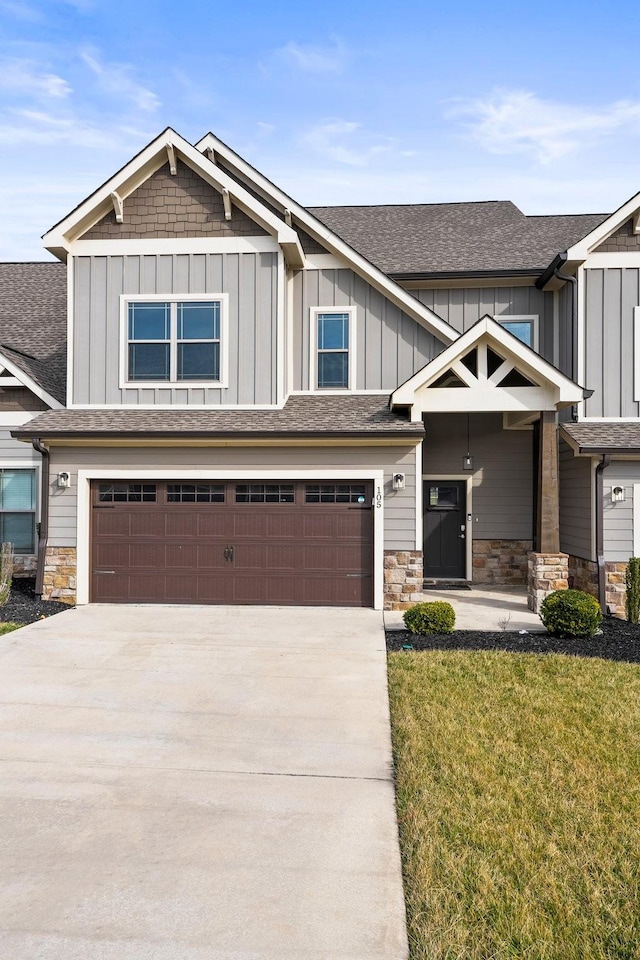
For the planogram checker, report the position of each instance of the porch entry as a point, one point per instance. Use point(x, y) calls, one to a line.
point(445, 529)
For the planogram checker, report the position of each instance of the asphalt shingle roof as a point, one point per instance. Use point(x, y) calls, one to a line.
point(609, 437)
point(446, 238)
point(336, 415)
point(33, 321)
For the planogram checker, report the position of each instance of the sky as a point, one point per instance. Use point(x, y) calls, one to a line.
point(339, 102)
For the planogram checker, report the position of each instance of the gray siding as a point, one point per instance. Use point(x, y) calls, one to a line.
point(391, 346)
point(464, 307)
point(503, 474)
point(610, 296)
point(399, 506)
point(11, 449)
point(576, 503)
point(567, 337)
point(618, 517)
point(250, 279)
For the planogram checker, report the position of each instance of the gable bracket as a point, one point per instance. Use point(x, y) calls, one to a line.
point(118, 206)
point(210, 154)
point(226, 199)
point(171, 156)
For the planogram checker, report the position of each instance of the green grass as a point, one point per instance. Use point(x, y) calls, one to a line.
point(518, 792)
point(9, 626)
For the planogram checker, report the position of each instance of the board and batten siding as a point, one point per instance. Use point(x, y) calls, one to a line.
point(618, 517)
point(390, 346)
point(503, 470)
point(576, 503)
point(609, 298)
point(250, 280)
point(399, 505)
point(462, 307)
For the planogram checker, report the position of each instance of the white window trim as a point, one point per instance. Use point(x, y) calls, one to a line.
point(126, 299)
point(37, 469)
point(636, 353)
point(313, 348)
point(532, 318)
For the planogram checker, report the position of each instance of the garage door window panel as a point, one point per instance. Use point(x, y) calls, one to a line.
point(18, 509)
point(195, 493)
point(127, 493)
point(335, 493)
point(265, 493)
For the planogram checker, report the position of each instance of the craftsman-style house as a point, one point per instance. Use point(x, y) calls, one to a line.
point(216, 395)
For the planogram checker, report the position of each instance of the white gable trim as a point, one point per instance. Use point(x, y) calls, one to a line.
point(28, 382)
point(581, 250)
point(334, 244)
point(59, 239)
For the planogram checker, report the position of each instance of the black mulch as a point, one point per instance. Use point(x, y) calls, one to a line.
point(24, 607)
point(619, 640)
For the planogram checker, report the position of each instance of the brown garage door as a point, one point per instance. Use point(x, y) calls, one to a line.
point(235, 542)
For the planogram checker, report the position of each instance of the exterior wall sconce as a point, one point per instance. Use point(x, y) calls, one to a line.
point(467, 462)
point(64, 479)
point(398, 481)
point(617, 494)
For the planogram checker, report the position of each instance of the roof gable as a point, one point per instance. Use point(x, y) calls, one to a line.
point(610, 225)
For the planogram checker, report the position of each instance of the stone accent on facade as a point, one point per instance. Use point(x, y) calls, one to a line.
point(183, 205)
point(59, 581)
point(547, 572)
point(402, 579)
point(501, 562)
point(24, 565)
point(583, 575)
point(615, 587)
point(623, 240)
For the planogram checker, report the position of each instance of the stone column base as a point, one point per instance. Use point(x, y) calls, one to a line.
point(402, 579)
point(615, 580)
point(59, 582)
point(547, 572)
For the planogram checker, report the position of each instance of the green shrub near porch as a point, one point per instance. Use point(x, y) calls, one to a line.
point(571, 613)
point(435, 616)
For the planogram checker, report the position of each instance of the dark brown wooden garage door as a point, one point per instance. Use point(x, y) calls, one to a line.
point(236, 542)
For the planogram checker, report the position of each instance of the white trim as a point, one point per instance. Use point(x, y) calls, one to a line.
point(372, 274)
point(636, 519)
point(610, 419)
point(468, 478)
point(582, 249)
point(15, 418)
point(636, 353)
point(532, 318)
point(290, 331)
point(615, 259)
point(70, 326)
point(118, 473)
point(579, 334)
point(323, 261)
point(314, 313)
point(166, 245)
point(419, 500)
point(281, 275)
point(173, 298)
point(176, 406)
point(36, 465)
point(331, 393)
point(29, 383)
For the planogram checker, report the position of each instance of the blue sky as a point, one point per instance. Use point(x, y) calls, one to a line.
point(347, 102)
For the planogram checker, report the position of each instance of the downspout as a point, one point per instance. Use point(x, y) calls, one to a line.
point(574, 314)
point(43, 531)
point(602, 592)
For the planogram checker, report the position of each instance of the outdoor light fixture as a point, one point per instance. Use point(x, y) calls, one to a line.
point(64, 479)
point(398, 481)
point(467, 460)
point(617, 494)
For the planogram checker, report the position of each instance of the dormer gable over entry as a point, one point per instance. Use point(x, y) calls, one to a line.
point(488, 369)
point(169, 158)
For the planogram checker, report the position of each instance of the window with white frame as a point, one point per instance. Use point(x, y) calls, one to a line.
point(332, 348)
point(525, 328)
point(174, 341)
point(18, 509)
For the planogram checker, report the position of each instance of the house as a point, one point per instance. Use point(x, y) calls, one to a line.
point(217, 395)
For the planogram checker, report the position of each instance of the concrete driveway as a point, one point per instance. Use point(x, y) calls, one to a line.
point(191, 783)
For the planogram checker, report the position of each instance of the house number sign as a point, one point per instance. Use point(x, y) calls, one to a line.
point(378, 498)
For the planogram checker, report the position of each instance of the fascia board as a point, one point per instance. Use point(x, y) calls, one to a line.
point(581, 250)
point(389, 288)
point(30, 384)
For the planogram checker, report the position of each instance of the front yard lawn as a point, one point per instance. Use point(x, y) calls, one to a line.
point(518, 792)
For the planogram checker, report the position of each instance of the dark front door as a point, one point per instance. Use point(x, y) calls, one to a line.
point(445, 528)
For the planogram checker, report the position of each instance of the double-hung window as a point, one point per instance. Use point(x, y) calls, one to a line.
point(177, 341)
point(333, 349)
point(18, 509)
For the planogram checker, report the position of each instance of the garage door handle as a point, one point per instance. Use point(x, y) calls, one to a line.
point(228, 554)
point(104, 571)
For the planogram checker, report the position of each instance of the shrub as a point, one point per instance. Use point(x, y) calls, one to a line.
point(571, 613)
point(633, 590)
point(437, 616)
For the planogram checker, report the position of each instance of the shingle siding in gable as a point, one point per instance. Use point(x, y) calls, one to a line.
point(174, 206)
point(19, 398)
point(624, 240)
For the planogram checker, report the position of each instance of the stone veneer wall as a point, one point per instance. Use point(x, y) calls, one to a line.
point(615, 589)
point(501, 561)
point(547, 572)
point(59, 581)
point(402, 579)
point(583, 575)
point(24, 565)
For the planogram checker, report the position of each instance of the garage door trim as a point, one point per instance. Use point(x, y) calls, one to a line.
point(85, 476)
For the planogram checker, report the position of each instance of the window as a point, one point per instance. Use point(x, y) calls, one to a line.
point(524, 328)
point(174, 341)
point(127, 493)
point(335, 493)
point(333, 349)
point(18, 509)
point(195, 493)
point(265, 493)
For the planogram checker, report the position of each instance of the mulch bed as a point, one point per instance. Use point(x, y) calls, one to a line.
point(619, 640)
point(24, 607)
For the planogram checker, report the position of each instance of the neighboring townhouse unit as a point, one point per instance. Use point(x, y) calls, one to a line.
point(220, 396)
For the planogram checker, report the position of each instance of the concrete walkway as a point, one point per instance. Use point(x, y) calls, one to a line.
point(198, 783)
point(482, 608)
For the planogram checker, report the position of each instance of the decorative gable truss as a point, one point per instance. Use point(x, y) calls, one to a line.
point(488, 369)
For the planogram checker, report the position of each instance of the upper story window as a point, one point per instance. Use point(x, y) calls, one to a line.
point(525, 328)
point(333, 348)
point(171, 341)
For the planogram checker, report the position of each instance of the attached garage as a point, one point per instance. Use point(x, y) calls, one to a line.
point(289, 542)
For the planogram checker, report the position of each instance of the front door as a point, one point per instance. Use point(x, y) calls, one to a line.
point(445, 529)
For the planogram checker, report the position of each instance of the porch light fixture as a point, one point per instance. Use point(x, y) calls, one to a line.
point(398, 481)
point(467, 460)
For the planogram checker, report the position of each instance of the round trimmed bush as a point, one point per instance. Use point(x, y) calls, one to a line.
point(571, 613)
point(436, 616)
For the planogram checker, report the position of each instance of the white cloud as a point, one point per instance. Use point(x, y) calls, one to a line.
point(518, 121)
point(42, 129)
point(334, 141)
point(23, 76)
point(21, 11)
point(117, 79)
point(315, 59)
